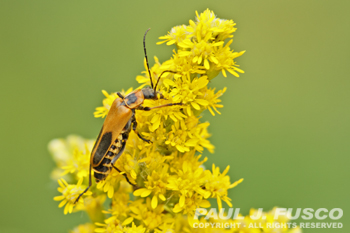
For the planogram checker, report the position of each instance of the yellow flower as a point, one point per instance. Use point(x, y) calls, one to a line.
point(133, 229)
point(69, 195)
point(265, 223)
point(222, 53)
point(189, 203)
point(201, 46)
point(190, 158)
point(176, 34)
point(184, 66)
point(84, 228)
point(213, 100)
point(155, 185)
point(190, 93)
point(151, 159)
point(110, 227)
point(111, 183)
point(207, 22)
point(119, 206)
point(187, 181)
point(160, 115)
point(79, 163)
point(149, 217)
point(63, 149)
point(201, 52)
point(128, 164)
point(218, 184)
point(94, 207)
point(189, 134)
point(66, 153)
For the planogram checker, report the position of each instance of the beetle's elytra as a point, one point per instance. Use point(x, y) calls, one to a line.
point(111, 141)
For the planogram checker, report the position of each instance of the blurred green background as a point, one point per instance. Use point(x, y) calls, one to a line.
point(284, 128)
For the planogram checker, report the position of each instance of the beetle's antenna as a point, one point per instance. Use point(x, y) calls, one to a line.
point(144, 48)
point(170, 71)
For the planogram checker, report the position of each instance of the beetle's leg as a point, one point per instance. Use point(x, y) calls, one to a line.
point(120, 95)
point(134, 125)
point(76, 200)
point(165, 105)
point(124, 174)
point(126, 178)
point(117, 156)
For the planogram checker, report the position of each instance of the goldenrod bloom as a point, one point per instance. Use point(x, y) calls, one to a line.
point(168, 175)
point(69, 195)
point(84, 228)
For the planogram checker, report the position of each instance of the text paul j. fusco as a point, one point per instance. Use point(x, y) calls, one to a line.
point(290, 213)
point(334, 214)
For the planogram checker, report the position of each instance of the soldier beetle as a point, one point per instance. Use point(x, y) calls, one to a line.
point(111, 141)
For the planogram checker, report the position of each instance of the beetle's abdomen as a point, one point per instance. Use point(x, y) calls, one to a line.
point(104, 168)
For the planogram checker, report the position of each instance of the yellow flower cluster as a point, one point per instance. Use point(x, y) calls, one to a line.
point(201, 47)
point(170, 180)
point(255, 222)
point(264, 222)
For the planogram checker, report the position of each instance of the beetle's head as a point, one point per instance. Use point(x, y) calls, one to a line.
point(149, 93)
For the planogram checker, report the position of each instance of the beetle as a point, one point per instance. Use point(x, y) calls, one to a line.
point(111, 141)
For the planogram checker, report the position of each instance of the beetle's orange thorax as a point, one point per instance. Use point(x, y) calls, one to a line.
point(134, 99)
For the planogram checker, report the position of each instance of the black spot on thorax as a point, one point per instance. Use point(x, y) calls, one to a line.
point(131, 99)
